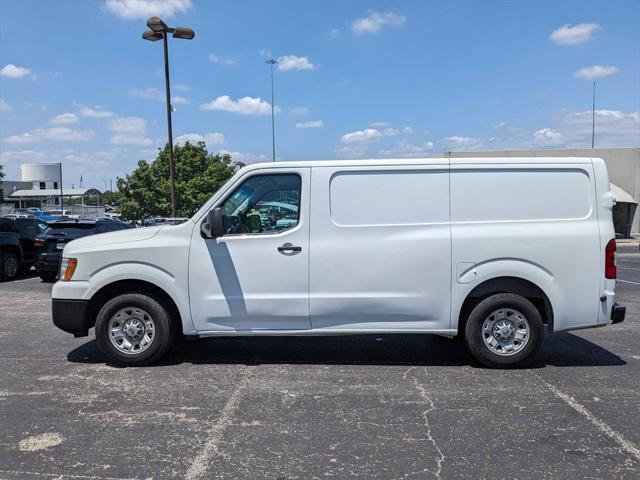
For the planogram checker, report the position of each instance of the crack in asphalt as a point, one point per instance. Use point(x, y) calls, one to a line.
point(425, 415)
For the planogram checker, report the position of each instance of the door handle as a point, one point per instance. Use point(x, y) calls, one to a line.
point(287, 247)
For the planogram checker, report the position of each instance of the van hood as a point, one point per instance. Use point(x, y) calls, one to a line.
point(103, 239)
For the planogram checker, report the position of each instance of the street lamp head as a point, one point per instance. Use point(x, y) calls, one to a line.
point(271, 61)
point(151, 35)
point(157, 25)
point(183, 33)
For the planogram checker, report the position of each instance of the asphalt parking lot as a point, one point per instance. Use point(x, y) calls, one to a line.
point(312, 408)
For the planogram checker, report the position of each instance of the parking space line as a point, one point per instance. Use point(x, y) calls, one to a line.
point(201, 461)
point(625, 444)
point(628, 281)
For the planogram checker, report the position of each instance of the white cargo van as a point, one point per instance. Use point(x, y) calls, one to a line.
point(490, 249)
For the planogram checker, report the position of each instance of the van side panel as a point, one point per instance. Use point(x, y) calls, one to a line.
point(532, 221)
point(380, 248)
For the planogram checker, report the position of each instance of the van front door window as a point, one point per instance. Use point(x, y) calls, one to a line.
point(263, 204)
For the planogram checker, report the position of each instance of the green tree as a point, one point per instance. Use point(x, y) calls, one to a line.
point(112, 198)
point(199, 174)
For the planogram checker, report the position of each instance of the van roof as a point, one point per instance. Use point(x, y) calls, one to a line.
point(424, 161)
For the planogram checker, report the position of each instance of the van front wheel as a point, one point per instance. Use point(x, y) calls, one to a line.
point(504, 330)
point(133, 329)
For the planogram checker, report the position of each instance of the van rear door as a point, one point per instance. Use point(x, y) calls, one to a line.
point(380, 247)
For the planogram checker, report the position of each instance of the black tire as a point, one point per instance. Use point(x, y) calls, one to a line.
point(9, 266)
point(473, 335)
point(47, 276)
point(162, 336)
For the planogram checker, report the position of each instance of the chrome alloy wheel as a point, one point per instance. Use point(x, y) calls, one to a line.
point(11, 267)
point(131, 330)
point(505, 331)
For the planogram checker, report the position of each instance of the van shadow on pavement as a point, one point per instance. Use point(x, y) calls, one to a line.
point(559, 350)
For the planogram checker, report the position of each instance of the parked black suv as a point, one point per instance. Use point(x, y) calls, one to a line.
point(17, 247)
point(52, 241)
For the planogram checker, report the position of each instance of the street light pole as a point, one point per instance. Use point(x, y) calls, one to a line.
point(158, 30)
point(172, 167)
point(271, 62)
point(593, 117)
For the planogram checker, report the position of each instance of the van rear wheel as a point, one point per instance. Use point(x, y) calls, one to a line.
point(504, 330)
point(133, 329)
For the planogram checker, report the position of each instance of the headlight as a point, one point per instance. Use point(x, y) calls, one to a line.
point(67, 268)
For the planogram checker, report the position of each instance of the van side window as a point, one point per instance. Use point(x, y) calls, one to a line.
point(263, 204)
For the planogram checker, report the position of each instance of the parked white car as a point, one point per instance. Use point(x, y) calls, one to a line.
point(491, 249)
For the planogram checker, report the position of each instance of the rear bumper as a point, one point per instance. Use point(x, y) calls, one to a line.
point(617, 313)
point(48, 262)
point(71, 316)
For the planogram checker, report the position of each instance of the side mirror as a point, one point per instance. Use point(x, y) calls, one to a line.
point(213, 226)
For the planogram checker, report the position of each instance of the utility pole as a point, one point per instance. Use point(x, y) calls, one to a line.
point(271, 62)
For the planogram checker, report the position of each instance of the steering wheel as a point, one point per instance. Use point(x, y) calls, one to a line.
point(237, 226)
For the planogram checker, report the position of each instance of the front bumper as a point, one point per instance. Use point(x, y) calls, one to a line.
point(617, 313)
point(71, 316)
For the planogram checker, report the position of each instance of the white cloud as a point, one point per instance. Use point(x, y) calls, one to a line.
point(462, 142)
point(64, 119)
point(4, 106)
point(12, 71)
point(54, 133)
point(156, 94)
point(128, 124)
point(212, 138)
point(570, 130)
point(21, 155)
point(130, 140)
point(573, 34)
point(300, 110)
point(293, 62)
point(214, 58)
point(310, 124)
point(361, 136)
point(243, 106)
point(130, 9)
point(613, 128)
point(376, 21)
point(390, 132)
point(379, 124)
point(95, 112)
point(408, 130)
point(245, 158)
point(404, 149)
point(597, 71)
point(548, 137)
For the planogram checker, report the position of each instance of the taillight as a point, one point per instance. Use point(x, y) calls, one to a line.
point(610, 269)
point(38, 241)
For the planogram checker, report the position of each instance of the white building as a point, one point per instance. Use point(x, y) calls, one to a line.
point(40, 187)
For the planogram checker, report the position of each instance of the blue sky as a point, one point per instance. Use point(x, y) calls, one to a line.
point(355, 79)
